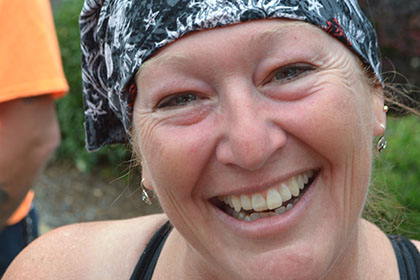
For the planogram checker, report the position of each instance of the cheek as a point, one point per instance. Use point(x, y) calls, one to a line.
point(176, 156)
point(340, 129)
point(336, 123)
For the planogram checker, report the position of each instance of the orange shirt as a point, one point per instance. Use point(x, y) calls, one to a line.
point(30, 61)
point(22, 210)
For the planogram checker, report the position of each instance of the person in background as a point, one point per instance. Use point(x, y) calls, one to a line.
point(31, 78)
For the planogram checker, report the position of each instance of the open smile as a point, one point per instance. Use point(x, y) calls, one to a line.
point(275, 201)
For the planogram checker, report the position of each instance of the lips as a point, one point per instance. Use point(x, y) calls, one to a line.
point(274, 201)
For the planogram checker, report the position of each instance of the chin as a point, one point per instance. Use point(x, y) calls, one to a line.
point(299, 262)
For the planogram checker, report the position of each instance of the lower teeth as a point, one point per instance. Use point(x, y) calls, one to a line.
point(244, 216)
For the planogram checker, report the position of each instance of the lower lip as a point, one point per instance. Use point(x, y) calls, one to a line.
point(267, 226)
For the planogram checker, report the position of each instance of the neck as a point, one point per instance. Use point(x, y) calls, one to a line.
point(368, 254)
point(347, 265)
point(179, 260)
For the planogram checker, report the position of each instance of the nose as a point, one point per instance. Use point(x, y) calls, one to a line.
point(251, 134)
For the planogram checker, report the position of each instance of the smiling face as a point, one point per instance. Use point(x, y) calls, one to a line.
point(257, 141)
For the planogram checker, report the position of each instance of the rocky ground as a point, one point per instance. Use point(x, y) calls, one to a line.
point(64, 195)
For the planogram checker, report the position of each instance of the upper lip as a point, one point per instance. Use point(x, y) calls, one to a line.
point(260, 187)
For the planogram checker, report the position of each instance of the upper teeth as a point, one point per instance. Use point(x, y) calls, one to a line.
point(273, 198)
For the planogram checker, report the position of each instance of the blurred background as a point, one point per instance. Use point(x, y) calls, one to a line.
point(80, 186)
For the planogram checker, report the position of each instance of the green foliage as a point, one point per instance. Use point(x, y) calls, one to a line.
point(70, 108)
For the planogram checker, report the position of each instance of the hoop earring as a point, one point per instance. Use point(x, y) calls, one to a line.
point(381, 145)
point(144, 195)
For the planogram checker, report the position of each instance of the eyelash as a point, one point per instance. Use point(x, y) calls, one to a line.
point(298, 71)
point(177, 100)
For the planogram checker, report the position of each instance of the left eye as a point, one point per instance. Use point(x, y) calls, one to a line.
point(291, 72)
point(177, 100)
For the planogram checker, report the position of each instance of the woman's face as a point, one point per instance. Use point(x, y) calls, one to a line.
point(257, 115)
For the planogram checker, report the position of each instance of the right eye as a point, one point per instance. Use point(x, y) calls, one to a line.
point(290, 73)
point(177, 100)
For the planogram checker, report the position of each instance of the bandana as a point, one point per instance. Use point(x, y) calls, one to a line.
point(118, 35)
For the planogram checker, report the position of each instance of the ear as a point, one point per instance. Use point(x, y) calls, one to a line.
point(147, 183)
point(379, 115)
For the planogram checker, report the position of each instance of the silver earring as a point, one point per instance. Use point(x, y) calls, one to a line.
point(381, 145)
point(144, 195)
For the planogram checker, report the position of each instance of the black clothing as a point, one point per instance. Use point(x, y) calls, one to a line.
point(146, 265)
point(408, 256)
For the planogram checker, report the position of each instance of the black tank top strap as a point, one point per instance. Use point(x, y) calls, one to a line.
point(408, 257)
point(147, 262)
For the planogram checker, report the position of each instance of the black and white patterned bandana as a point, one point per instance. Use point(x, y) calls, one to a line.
point(118, 35)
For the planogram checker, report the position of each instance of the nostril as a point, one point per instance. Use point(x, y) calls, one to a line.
point(246, 155)
point(252, 150)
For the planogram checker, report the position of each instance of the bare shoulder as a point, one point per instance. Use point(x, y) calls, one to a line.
point(96, 250)
point(384, 240)
point(416, 243)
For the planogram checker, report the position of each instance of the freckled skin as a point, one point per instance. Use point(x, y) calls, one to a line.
point(246, 128)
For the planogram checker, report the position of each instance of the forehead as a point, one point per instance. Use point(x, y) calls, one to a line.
point(257, 36)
